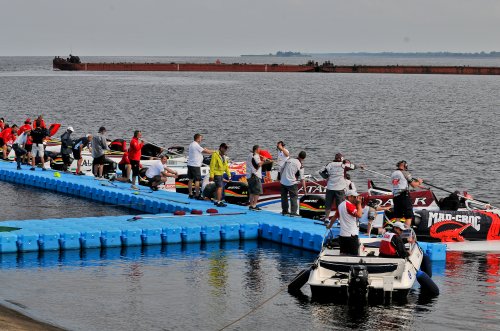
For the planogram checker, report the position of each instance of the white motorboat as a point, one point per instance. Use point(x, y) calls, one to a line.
point(339, 277)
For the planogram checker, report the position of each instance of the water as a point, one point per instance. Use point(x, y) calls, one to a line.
point(446, 127)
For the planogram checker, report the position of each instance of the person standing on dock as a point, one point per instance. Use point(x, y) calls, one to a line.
point(337, 183)
point(66, 148)
point(195, 160)
point(283, 155)
point(348, 213)
point(38, 135)
point(254, 177)
point(401, 181)
point(19, 147)
point(99, 146)
point(219, 164)
point(134, 155)
point(78, 147)
point(292, 174)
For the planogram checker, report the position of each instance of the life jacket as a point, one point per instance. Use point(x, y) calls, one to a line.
point(386, 246)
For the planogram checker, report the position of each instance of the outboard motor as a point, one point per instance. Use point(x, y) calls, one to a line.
point(358, 284)
point(108, 169)
point(312, 206)
point(236, 193)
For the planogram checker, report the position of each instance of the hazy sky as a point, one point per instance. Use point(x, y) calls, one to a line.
point(234, 27)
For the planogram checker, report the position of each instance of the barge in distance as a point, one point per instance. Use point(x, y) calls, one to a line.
point(73, 63)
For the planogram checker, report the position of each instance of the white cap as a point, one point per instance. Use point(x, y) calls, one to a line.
point(351, 193)
point(70, 128)
point(400, 225)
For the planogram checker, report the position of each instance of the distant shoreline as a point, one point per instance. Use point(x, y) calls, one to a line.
point(387, 54)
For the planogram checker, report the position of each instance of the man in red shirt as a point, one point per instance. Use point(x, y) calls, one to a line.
point(39, 122)
point(134, 155)
point(7, 136)
point(124, 166)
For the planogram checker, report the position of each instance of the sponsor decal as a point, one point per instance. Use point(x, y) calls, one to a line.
point(417, 202)
point(438, 217)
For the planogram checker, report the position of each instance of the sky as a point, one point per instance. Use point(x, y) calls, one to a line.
point(235, 27)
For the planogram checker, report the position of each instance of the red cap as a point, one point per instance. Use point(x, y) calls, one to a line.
point(28, 121)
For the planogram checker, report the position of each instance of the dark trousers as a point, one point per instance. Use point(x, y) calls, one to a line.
point(66, 161)
point(403, 207)
point(20, 152)
point(291, 191)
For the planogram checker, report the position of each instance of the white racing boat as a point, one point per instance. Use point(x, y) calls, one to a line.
point(338, 277)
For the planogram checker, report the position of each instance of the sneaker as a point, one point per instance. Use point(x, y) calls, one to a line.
point(199, 197)
point(44, 169)
point(295, 215)
point(190, 196)
point(257, 208)
point(221, 204)
point(112, 178)
point(251, 208)
point(32, 168)
point(133, 187)
point(80, 173)
point(154, 188)
point(285, 213)
point(18, 167)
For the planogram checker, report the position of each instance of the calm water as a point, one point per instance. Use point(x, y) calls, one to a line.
point(445, 126)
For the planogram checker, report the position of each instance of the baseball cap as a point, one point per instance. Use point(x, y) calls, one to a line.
point(70, 128)
point(399, 225)
point(28, 121)
point(351, 193)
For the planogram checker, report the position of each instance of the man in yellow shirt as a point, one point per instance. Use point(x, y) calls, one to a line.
point(219, 165)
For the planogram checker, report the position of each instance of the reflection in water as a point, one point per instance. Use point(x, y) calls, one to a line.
point(160, 287)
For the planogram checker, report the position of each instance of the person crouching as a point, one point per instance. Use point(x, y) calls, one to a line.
point(158, 173)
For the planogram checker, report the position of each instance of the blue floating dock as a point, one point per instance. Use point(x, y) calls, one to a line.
point(160, 227)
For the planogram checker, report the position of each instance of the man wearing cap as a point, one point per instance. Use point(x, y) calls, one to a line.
point(401, 181)
point(99, 146)
point(392, 244)
point(337, 183)
point(66, 147)
point(219, 164)
point(348, 213)
point(292, 174)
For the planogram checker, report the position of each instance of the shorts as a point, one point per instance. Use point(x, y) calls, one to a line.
point(76, 154)
point(349, 245)
point(99, 160)
point(254, 185)
point(194, 173)
point(28, 148)
point(135, 167)
point(334, 196)
point(267, 166)
point(38, 150)
point(156, 178)
point(402, 206)
point(2, 143)
point(218, 181)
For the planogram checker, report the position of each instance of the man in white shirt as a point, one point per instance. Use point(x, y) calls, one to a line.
point(254, 177)
point(158, 172)
point(401, 181)
point(292, 173)
point(348, 213)
point(195, 160)
point(337, 183)
point(283, 155)
point(19, 147)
